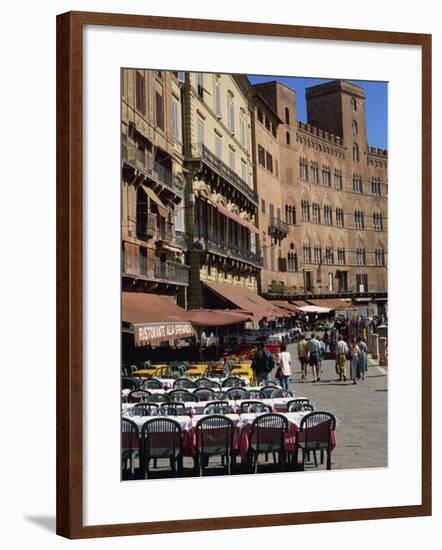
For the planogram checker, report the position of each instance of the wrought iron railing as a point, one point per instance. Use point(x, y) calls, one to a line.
point(180, 238)
point(171, 271)
point(156, 270)
point(229, 249)
point(199, 150)
point(146, 164)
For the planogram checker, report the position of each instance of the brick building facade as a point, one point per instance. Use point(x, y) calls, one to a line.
point(222, 184)
point(334, 189)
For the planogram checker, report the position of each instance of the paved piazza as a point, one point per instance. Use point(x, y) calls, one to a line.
point(362, 409)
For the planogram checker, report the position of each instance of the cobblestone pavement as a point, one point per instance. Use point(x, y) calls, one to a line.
point(362, 410)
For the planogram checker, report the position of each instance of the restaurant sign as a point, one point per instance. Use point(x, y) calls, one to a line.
point(155, 333)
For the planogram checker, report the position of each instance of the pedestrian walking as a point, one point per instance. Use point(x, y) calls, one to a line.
point(262, 364)
point(325, 339)
point(284, 364)
point(303, 356)
point(341, 357)
point(355, 353)
point(363, 357)
point(313, 350)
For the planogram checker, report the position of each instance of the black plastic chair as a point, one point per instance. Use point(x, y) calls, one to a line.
point(182, 396)
point(267, 436)
point(297, 402)
point(128, 384)
point(158, 398)
point(272, 383)
point(143, 409)
point(281, 393)
point(214, 437)
point(172, 409)
point(204, 394)
point(161, 438)
point(232, 382)
point(254, 407)
point(297, 405)
point(237, 393)
point(207, 383)
point(267, 391)
point(130, 445)
point(184, 384)
point(138, 396)
point(315, 435)
point(219, 395)
point(255, 394)
point(218, 407)
point(151, 384)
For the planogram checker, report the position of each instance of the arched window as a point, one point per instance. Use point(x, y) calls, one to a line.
point(287, 138)
point(354, 127)
point(287, 115)
point(354, 104)
point(355, 152)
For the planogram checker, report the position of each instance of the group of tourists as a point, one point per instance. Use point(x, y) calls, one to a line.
point(311, 353)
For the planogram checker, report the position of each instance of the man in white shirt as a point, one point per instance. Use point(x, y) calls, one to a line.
point(341, 358)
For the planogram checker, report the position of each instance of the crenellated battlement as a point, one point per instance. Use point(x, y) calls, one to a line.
point(378, 152)
point(318, 133)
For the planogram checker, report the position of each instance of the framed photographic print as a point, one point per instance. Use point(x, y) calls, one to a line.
point(243, 227)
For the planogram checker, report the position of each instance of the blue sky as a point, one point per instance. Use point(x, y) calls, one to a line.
point(375, 103)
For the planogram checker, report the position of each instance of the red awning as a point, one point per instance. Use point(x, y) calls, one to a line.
point(244, 298)
point(154, 318)
point(217, 317)
point(286, 305)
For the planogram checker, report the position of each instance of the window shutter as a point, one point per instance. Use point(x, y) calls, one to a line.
point(232, 117)
point(243, 132)
point(218, 99)
point(175, 128)
point(218, 152)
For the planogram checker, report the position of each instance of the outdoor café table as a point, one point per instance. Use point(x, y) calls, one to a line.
point(144, 373)
point(244, 428)
point(183, 420)
point(189, 443)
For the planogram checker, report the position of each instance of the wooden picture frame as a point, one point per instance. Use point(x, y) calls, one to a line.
point(69, 272)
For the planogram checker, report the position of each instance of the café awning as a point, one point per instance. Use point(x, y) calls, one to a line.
point(331, 303)
point(154, 319)
point(299, 303)
point(244, 298)
point(286, 305)
point(314, 309)
point(218, 317)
